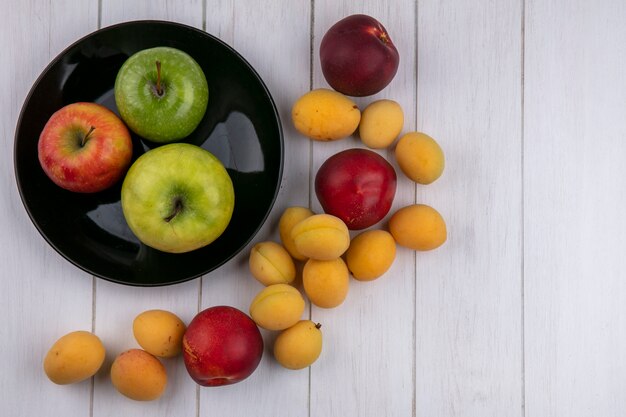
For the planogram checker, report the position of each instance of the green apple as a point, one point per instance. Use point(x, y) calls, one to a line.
point(177, 198)
point(161, 94)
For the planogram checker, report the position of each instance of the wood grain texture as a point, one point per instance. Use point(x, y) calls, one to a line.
point(468, 297)
point(116, 305)
point(520, 313)
point(575, 194)
point(116, 308)
point(42, 296)
point(274, 38)
point(188, 12)
point(366, 367)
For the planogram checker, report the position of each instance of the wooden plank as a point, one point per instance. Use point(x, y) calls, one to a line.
point(42, 296)
point(188, 11)
point(116, 305)
point(366, 367)
point(116, 308)
point(468, 304)
point(575, 193)
point(274, 38)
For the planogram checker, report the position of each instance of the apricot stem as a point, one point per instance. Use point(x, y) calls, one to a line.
point(86, 137)
point(318, 325)
point(159, 90)
point(178, 206)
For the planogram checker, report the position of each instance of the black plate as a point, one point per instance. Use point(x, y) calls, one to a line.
point(241, 127)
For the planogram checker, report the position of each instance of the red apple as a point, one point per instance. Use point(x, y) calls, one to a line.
point(222, 346)
point(356, 185)
point(84, 147)
point(358, 57)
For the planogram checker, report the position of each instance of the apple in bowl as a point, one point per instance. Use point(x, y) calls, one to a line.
point(161, 94)
point(84, 147)
point(177, 198)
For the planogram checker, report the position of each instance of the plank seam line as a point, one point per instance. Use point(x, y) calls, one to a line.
point(414, 331)
point(99, 14)
point(92, 388)
point(523, 215)
point(311, 58)
point(92, 385)
point(204, 10)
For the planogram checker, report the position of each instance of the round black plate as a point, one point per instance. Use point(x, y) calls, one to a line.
point(241, 127)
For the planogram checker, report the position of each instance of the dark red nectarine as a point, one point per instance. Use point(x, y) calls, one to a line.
point(358, 57)
point(356, 185)
point(222, 346)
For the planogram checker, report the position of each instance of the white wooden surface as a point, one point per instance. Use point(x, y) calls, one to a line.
point(521, 313)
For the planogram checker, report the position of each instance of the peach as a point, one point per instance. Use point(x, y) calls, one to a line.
point(321, 236)
point(277, 307)
point(292, 216)
point(326, 282)
point(325, 115)
point(74, 357)
point(270, 263)
point(381, 123)
point(419, 227)
point(420, 157)
point(138, 375)
point(371, 254)
point(299, 346)
point(159, 332)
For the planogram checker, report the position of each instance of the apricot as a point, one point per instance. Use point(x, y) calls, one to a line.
point(371, 254)
point(159, 332)
point(381, 123)
point(277, 307)
point(326, 282)
point(420, 157)
point(321, 236)
point(138, 375)
point(74, 357)
point(270, 263)
point(325, 115)
point(292, 216)
point(299, 346)
point(419, 227)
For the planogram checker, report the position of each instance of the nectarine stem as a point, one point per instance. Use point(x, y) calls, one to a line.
point(159, 90)
point(86, 138)
point(178, 206)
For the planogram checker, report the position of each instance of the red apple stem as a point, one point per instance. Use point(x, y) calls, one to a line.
point(178, 206)
point(86, 137)
point(159, 90)
point(318, 325)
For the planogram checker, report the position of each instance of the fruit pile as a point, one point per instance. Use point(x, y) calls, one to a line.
point(355, 188)
point(136, 373)
point(161, 94)
point(221, 346)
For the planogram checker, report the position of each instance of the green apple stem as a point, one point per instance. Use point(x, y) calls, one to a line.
point(178, 206)
point(159, 90)
point(86, 137)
